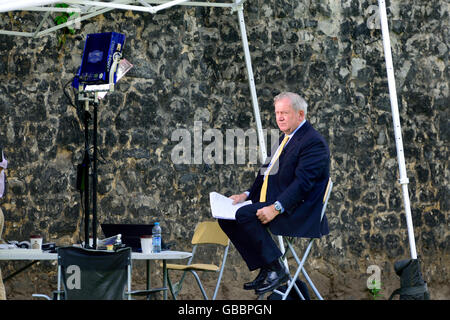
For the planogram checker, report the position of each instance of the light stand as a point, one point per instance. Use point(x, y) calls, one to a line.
point(87, 164)
point(91, 95)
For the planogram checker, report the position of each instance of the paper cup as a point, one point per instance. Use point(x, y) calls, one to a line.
point(146, 244)
point(36, 242)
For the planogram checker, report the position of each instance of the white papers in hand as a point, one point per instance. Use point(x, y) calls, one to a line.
point(222, 207)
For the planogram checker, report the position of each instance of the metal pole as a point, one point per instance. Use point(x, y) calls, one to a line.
point(95, 176)
point(116, 5)
point(251, 80)
point(397, 128)
point(86, 166)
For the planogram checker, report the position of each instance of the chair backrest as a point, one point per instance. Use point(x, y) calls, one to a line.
point(94, 274)
point(209, 232)
point(2, 221)
point(326, 196)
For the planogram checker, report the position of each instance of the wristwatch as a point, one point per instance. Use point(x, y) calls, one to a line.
point(278, 206)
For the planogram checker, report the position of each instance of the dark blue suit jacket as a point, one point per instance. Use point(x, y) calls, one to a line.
point(299, 185)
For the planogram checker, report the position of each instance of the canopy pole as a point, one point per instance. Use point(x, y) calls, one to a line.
point(397, 128)
point(251, 80)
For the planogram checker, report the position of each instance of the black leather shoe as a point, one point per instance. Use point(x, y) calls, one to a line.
point(258, 280)
point(273, 280)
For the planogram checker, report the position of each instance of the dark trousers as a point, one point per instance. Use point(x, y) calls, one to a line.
point(250, 237)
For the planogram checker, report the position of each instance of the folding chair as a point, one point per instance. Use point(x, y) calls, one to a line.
point(207, 232)
point(86, 274)
point(301, 263)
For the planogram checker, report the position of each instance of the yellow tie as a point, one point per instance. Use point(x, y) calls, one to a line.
point(262, 197)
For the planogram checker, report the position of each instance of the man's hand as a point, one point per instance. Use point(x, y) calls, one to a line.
point(267, 214)
point(238, 198)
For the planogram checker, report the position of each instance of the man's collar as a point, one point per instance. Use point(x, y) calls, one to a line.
point(299, 126)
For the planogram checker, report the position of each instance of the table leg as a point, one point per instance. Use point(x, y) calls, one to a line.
point(165, 279)
point(148, 275)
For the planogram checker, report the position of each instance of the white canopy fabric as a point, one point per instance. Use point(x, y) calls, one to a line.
point(87, 9)
point(8, 5)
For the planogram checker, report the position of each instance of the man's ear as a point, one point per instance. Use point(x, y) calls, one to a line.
point(301, 114)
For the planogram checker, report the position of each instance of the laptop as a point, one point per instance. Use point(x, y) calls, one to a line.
point(131, 233)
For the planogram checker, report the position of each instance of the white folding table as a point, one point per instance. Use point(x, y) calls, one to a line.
point(36, 255)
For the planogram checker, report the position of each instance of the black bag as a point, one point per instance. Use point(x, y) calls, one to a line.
point(412, 285)
point(293, 295)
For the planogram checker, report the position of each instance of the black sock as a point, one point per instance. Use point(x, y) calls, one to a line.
point(275, 265)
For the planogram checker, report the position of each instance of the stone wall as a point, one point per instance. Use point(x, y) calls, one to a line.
point(189, 68)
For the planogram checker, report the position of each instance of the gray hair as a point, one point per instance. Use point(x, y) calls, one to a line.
point(297, 102)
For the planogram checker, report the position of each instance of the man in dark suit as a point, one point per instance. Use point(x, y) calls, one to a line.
point(286, 196)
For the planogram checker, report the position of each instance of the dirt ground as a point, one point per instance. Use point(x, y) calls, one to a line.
point(343, 287)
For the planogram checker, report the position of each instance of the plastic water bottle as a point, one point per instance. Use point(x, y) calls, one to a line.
point(156, 235)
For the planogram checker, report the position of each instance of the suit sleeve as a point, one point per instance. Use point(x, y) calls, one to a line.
point(311, 163)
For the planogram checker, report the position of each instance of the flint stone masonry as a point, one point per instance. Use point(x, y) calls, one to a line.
point(189, 66)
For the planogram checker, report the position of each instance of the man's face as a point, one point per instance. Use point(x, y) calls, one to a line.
point(287, 118)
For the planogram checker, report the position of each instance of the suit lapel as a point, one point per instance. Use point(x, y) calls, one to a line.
point(296, 139)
